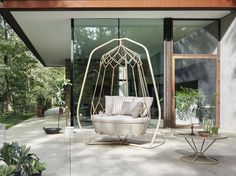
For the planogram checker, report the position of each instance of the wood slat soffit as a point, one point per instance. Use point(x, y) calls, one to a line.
point(116, 4)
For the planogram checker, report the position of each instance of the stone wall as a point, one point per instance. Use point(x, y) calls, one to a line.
point(228, 73)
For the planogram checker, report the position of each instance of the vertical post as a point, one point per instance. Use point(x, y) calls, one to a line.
point(68, 92)
point(217, 96)
point(168, 88)
point(72, 73)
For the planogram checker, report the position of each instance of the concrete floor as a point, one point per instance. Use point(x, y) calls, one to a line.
point(70, 157)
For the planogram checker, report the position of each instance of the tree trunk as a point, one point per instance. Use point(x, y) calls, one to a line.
point(8, 91)
point(8, 87)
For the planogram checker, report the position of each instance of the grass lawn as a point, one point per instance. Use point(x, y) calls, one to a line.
point(12, 119)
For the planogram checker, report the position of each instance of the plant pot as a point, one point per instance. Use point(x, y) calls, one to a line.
point(17, 173)
point(40, 112)
point(37, 174)
point(60, 110)
point(52, 130)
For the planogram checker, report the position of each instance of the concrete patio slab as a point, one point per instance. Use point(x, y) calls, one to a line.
point(71, 157)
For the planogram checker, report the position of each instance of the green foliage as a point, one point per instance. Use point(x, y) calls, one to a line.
point(186, 101)
point(34, 166)
point(60, 90)
point(14, 154)
point(7, 170)
point(22, 78)
point(11, 119)
point(19, 158)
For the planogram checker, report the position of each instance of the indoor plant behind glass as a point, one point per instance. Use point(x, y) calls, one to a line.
point(188, 100)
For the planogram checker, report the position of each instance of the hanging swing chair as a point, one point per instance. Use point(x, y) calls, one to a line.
point(119, 114)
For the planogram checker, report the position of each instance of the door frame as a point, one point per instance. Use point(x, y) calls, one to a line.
point(214, 57)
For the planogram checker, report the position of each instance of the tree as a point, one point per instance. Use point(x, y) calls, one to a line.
point(22, 77)
point(5, 45)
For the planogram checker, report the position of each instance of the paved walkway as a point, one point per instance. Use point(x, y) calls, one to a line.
point(70, 157)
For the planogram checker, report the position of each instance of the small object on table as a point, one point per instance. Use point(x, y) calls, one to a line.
point(214, 130)
point(203, 133)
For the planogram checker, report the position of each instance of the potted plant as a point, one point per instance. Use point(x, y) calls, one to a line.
point(35, 167)
point(61, 93)
point(40, 105)
point(19, 157)
point(8, 155)
point(59, 97)
point(187, 101)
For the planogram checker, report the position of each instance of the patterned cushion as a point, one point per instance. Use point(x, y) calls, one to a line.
point(147, 103)
point(131, 108)
point(117, 103)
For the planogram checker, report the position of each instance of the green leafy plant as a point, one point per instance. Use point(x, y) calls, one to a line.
point(188, 100)
point(20, 157)
point(35, 167)
point(60, 90)
point(6, 170)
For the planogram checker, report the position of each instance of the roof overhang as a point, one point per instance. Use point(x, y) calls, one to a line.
point(140, 4)
point(48, 33)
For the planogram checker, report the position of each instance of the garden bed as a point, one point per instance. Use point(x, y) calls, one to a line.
point(11, 119)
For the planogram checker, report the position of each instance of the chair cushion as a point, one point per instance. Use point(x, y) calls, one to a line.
point(131, 108)
point(105, 118)
point(113, 104)
point(147, 103)
point(119, 125)
point(117, 103)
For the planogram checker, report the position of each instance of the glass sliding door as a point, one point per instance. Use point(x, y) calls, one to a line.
point(195, 71)
point(195, 90)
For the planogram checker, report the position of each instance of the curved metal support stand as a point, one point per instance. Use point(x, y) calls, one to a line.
point(199, 156)
point(152, 142)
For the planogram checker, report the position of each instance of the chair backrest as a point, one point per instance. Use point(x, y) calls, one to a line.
point(113, 104)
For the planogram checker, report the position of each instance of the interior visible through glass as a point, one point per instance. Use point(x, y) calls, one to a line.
point(195, 37)
point(195, 90)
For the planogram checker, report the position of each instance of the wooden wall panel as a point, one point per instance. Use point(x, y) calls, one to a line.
point(136, 4)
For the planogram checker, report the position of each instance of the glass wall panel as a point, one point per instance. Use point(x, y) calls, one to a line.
point(195, 37)
point(195, 87)
point(89, 34)
point(148, 32)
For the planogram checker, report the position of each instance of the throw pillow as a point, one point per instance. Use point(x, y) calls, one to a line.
point(131, 108)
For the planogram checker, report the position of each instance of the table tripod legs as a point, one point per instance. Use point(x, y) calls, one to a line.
point(198, 156)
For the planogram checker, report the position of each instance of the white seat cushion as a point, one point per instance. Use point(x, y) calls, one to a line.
point(118, 119)
point(119, 125)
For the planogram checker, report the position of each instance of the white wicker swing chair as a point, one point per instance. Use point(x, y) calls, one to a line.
point(122, 116)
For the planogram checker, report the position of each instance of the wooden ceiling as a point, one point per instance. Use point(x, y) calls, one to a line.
point(119, 4)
